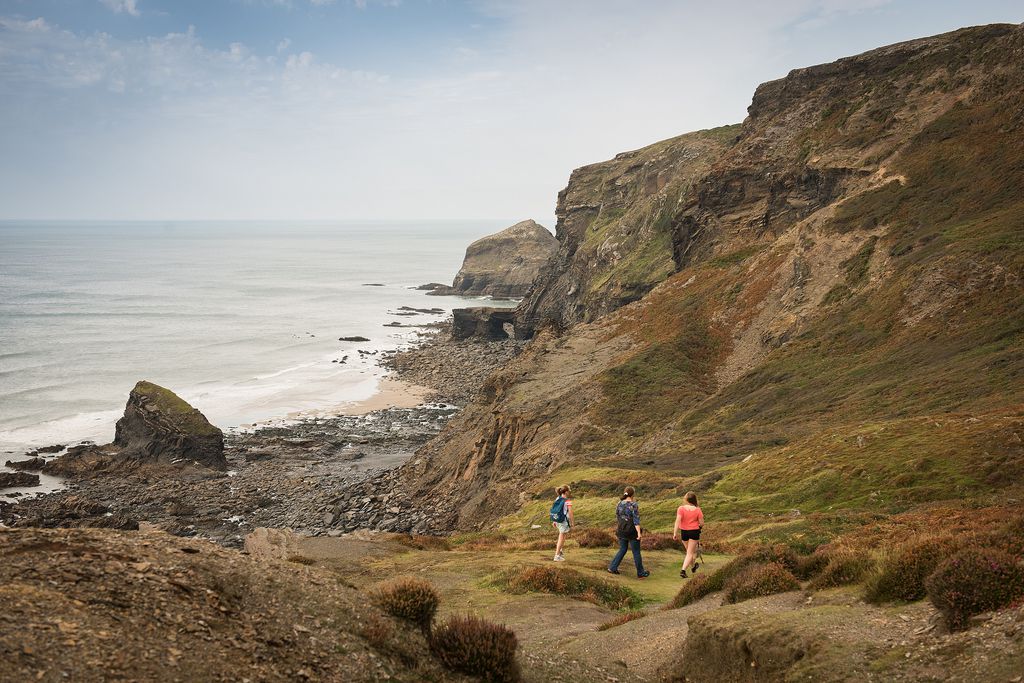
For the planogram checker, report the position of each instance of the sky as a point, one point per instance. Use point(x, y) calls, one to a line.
point(386, 109)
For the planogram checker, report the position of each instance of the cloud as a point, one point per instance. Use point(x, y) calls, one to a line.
point(119, 6)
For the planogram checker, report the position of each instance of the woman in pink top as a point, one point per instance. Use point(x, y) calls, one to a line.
point(689, 522)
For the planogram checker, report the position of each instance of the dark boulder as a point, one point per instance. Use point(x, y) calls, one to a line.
point(159, 426)
point(9, 480)
point(32, 464)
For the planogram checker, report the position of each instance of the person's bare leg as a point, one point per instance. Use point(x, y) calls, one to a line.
point(691, 550)
point(561, 542)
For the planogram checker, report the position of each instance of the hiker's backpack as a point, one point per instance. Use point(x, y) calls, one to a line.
point(558, 510)
point(624, 522)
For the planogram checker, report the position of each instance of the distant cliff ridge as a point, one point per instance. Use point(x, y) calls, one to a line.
point(504, 264)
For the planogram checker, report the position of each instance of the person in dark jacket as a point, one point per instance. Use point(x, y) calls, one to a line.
point(627, 522)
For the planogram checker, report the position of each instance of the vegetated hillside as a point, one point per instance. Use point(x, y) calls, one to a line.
point(838, 331)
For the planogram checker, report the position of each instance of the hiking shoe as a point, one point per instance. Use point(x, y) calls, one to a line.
point(614, 571)
point(696, 566)
point(559, 558)
point(683, 574)
point(644, 575)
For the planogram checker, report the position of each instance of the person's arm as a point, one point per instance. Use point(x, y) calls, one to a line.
point(675, 528)
point(700, 518)
point(636, 522)
point(572, 519)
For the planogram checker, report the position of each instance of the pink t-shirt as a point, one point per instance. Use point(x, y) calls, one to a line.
point(689, 518)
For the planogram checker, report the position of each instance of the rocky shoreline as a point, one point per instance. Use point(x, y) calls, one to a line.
point(324, 476)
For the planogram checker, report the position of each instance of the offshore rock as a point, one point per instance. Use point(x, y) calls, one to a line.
point(17, 479)
point(158, 425)
point(504, 264)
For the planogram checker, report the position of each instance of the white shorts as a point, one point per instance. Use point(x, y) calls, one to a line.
point(563, 527)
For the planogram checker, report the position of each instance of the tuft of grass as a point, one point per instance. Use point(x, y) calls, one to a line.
point(659, 541)
point(759, 580)
point(423, 542)
point(473, 646)
point(843, 568)
point(589, 537)
point(975, 582)
point(414, 600)
point(697, 588)
point(623, 618)
point(569, 583)
point(902, 572)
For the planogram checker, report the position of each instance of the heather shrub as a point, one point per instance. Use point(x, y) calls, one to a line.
point(809, 566)
point(974, 582)
point(570, 583)
point(476, 647)
point(589, 537)
point(843, 568)
point(623, 618)
point(696, 588)
point(659, 541)
point(407, 598)
point(759, 580)
point(901, 573)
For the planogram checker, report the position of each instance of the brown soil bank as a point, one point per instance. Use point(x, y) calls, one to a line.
point(100, 605)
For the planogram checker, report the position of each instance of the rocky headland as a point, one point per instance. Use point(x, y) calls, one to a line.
point(502, 265)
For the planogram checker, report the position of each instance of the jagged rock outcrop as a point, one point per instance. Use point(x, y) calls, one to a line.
point(158, 427)
point(504, 264)
point(849, 255)
point(492, 324)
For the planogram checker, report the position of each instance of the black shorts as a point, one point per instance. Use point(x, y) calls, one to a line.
point(690, 534)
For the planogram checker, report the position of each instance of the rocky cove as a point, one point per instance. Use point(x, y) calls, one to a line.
point(317, 476)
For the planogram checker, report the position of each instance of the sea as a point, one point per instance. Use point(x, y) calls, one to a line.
point(241, 319)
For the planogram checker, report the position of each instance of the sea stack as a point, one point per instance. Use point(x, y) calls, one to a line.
point(159, 425)
point(504, 264)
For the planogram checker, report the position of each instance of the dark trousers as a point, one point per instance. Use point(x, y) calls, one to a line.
point(634, 545)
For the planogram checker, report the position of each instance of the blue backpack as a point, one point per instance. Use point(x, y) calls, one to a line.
point(558, 510)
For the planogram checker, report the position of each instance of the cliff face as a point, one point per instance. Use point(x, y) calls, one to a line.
point(614, 229)
point(819, 285)
point(506, 263)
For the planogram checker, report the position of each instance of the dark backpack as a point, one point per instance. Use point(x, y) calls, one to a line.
point(558, 510)
point(624, 522)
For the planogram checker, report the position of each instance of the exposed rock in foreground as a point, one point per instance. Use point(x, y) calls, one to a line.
point(504, 264)
point(158, 427)
point(95, 605)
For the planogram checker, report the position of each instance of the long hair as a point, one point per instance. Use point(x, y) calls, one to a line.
point(628, 493)
point(691, 498)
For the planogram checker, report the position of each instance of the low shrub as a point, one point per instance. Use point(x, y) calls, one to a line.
point(423, 542)
point(696, 588)
point(759, 580)
point(476, 647)
point(301, 559)
point(407, 598)
point(901, 573)
point(809, 566)
point(570, 583)
point(974, 582)
point(623, 618)
point(843, 568)
point(589, 537)
point(659, 541)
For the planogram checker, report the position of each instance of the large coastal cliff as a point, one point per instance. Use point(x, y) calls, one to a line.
point(820, 281)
